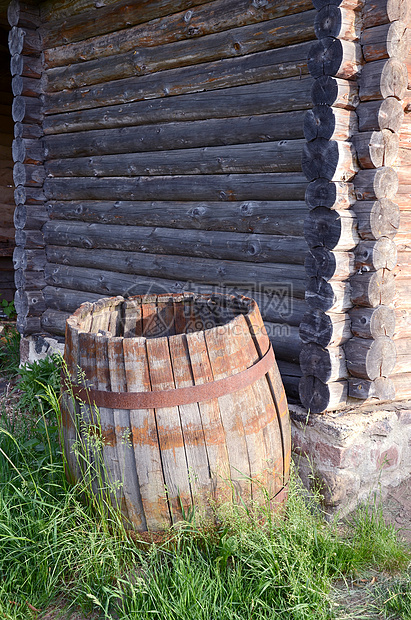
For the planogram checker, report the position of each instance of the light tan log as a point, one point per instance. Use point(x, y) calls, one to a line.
point(378, 115)
point(332, 91)
point(318, 397)
point(402, 323)
point(325, 363)
point(374, 255)
point(330, 296)
point(335, 230)
point(381, 388)
point(377, 12)
point(403, 293)
point(375, 219)
point(338, 22)
point(344, 4)
point(325, 328)
point(330, 194)
point(324, 263)
point(372, 323)
point(369, 359)
point(404, 160)
point(330, 123)
point(402, 385)
point(403, 362)
point(385, 41)
point(383, 78)
point(335, 57)
point(376, 183)
point(373, 288)
point(329, 159)
point(376, 148)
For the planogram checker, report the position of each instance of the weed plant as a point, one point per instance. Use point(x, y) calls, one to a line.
point(9, 352)
point(243, 563)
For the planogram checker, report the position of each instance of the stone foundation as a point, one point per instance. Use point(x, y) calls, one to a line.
point(34, 348)
point(349, 455)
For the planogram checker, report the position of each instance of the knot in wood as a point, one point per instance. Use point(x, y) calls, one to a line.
point(188, 16)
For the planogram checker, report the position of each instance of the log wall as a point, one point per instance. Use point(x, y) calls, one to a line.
point(171, 157)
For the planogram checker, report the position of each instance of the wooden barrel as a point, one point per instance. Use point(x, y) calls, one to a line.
point(189, 399)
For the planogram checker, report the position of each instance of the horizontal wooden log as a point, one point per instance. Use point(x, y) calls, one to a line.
point(27, 151)
point(370, 359)
point(373, 288)
point(333, 296)
point(374, 255)
point(335, 230)
point(54, 322)
point(335, 57)
point(23, 130)
point(221, 245)
point(402, 323)
point(31, 260)
point(325, 328)
point(27, 66)
point(376, 148)
point(30, 280)
point(28, 87)
point(285, 341)
point(285, 31)
point(176, 25)
point(29, 109)
point(206, 271)
point(403, 360)
point(30, 217)
point(372, 323)
point(324, 263)
point(26, 14)
point(67, 300)
point(164, 137)
point(275, 218)
point(24, 41)
point(378, 115)
point(287, 96)
point(330, 194)
point(283, 156)
point(32, 239)
point(338, 22)
point(29, 303)
point(27, 325)
point(263, 66)
point(385, 41)
point(28, 195)
point(383, 78)
point(289, 369)
point(329, 159)
point(375, 219)
point(27, 174)
point(404, 160)
point(270, 186)
point(382, 389)
point(325, 363)
point(376, 183)
point(330, 123)
point(402, 385)
point(377, 12)
point(402, 293)
point(318, 397)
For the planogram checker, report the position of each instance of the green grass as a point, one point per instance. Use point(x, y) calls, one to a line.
point(9, 352)
point(242, 564)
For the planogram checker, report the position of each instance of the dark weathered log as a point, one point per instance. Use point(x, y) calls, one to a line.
point(323, 263)
point(376, 184)
point(28, 195)
point(283, 156)
point(24, 41)
point(167, 136)
point(29, 217)
point(328, 90)
point(176, 25)
point(374, 255)
point(27, 151)
point(25, 174)
point(29, 109)
point(382, 388)
point(325, 329)
point(372, 322)
point(29, 303)
point(27, 66)
point(221, 245)
point(335, 230)
point(377, 219)
point(385, 41)
point(32, 239)
point(383, 78)
point(28, 87)
point(376, 148)
point(285, 341)
point(329, 159)
point(54, 321)
point(275, 218)
point(402, 385)
point(23, 130)
point(333, 296)
point(317, 397)
point(369, 359)
point(378, 12)
point(325, 363)
point(335, 57)
point(26, 14)
point(330, 123)
point(67, 300)
point(286, 97)
point(385, 114)
point(211, 271)
point(285, 31)
point(270, 186)
point(32, 260)
point(330, 194)
point(27, 325)
point(373, 288)
point(30, 280)
point(338, 22)
point(270, 65)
